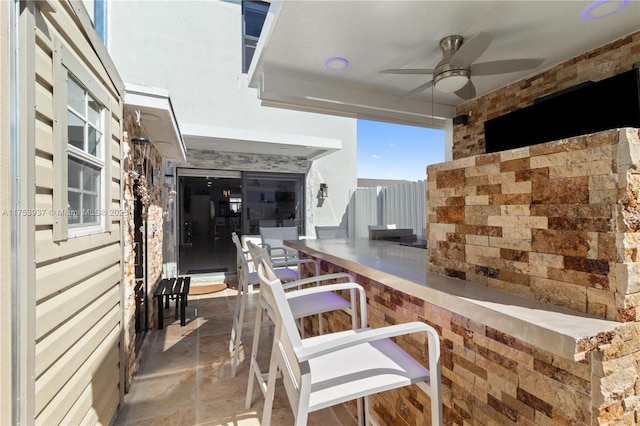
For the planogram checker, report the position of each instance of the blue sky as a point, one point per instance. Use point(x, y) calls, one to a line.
point(394, 151)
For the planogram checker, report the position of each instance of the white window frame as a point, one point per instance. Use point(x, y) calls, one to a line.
point(96, 162)
point(67, 66)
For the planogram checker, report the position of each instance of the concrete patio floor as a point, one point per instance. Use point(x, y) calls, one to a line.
point(185, 373)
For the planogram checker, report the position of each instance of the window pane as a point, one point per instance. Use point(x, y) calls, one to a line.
point(74, 207)
point(93, 147)
point(75, 130)
point(85, 128)
point(254, 16)
point(253, 22)
point(276, 198)
point(93, 113)
point(74, 171)
point(89, 208)
point(248, 57)
point(75, 95)
point(90, 178)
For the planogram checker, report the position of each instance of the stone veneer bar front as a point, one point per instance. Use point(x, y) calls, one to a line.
point(531, 279)
point(555, 222)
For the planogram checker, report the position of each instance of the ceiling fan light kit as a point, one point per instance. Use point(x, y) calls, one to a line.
point(451, 81)
point(449, 76)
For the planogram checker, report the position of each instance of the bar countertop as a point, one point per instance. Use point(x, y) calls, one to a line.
point(556, 329)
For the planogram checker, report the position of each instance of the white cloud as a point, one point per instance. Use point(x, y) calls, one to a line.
point(376, 156)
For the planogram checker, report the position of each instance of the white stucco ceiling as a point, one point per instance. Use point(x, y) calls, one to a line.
point(298, 36)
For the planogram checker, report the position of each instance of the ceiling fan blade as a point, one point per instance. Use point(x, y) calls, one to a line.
point(471, 50)
point(416, 90)
point(408, 71)
point(505, 66)
point(468, 91)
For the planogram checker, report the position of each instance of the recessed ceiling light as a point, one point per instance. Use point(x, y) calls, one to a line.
point(602, 8)
point(336, 64)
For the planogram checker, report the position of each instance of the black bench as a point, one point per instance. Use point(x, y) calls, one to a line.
point(172, 288)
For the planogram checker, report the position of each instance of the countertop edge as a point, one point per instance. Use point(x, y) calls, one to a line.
point(552, 328)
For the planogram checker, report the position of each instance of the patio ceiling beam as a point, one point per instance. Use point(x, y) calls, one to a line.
point(295, 93)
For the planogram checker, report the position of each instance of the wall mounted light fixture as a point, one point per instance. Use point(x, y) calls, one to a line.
point(324, 190)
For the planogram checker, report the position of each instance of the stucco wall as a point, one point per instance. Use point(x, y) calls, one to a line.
point(200, 64)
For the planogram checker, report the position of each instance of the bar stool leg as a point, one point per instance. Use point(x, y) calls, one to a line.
point(254, 369)
point(238, 321)
point(236, 311)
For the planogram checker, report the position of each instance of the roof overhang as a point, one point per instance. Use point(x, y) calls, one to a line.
point(327, 56)
point(155, 114)
point(226, 139)
point(305, 95)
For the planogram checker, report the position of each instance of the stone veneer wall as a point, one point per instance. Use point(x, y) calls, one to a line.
point(606, 61)
point(220, 160)
point(491, 378)
point(556, 222)
point(155, 218)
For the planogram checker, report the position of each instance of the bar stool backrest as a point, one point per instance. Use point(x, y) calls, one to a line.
point(324, 232)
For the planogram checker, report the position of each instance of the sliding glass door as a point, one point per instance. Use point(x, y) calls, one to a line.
point(272, 199)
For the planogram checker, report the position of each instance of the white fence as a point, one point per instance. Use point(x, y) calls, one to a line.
point(404, 204)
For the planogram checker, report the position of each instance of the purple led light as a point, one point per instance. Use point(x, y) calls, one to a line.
point(586, 13)
point(336, 64)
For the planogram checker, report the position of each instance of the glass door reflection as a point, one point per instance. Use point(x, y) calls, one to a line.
point(272, 199)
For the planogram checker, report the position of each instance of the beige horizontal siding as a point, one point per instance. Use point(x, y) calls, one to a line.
point(44, 62)
point(44, 203)
point(115, 169)
point(115, 133)
point(75, 39)
point(95, 406)
point(44, 137)
point(57, 277)
point(44, 172)
point(115, 189)
point(78, 281)
point(48, 251)
point(102, 399)
point(44, 102)
point(101, 364)
point(58, 311)
point(53, 348)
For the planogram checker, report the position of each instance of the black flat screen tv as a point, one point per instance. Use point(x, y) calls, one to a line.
point(589, 108)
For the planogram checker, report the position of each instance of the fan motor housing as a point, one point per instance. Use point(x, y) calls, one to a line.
point(445, 69)
point(451, 43)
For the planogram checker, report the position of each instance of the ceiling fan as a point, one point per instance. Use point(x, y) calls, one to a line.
point(454, 71)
